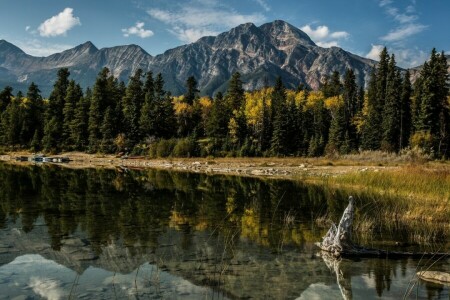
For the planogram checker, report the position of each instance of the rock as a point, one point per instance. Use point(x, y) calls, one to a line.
point(257, 172)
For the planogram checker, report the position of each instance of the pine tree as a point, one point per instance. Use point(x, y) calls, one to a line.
point(376, 98)
point(279, 109)
point(405, 111)
point(332, 86)
point(5, 98)
point(147, 119)
point(235, 93)
point(79, 126)
point(371, 134)
point(191, 90)
point(32, 118)
point(36, 141)
point(217, 122)
point(266, 127)
point(54, 111)
point(107, 143)
point(98, 102)
point(431, 109)
point(74, 94)
point(391, 112)
point(132, 104)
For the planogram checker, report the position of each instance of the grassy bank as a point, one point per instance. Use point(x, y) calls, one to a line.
point(413, 199)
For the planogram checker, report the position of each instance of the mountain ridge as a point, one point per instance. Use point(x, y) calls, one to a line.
point(259, 53)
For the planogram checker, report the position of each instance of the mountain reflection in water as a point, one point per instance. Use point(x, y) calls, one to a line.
point(97, 233)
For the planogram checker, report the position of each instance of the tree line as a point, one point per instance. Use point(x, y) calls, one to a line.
point(143, 118)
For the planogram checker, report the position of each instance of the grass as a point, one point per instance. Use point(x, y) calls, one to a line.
point(414, 200)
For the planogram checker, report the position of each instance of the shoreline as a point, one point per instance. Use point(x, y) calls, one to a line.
point(284, 168)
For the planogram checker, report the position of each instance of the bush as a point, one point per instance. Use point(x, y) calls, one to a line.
point(184, 148)
point(165, 147)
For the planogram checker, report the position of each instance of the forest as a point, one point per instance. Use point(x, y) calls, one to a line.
point(140, 118)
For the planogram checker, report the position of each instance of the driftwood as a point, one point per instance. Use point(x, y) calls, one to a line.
point(338, 241)
point(434, 276)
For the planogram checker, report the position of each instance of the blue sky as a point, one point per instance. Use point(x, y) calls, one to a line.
point(409, 28)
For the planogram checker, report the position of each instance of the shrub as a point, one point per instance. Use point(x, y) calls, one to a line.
point(184, 148)
point(165, 148)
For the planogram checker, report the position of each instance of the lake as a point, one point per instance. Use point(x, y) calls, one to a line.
point(149, 234)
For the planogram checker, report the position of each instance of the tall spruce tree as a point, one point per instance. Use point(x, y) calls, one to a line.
point(74, 94)
point(279, 109)
point(98, 102)
point(405, 111)
point(391, 112)
point(132, 104)
point(79, 126)
point(235, 93)
point(54, 111)
point(32, 116)
point(191, 90)
point(217, 122)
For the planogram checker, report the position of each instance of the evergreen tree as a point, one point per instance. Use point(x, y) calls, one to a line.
point(73, 96)
point(107, 143)
point(235, 93)
point(147, 119)
point(405, 111)
point(431, 103)
point(266, 127)
point(98, 102)
point(371, 134)
point(54, 111)
point(391, 112)
point(5, 98)
point(191, 90)
point(79, 126)
point(217, 122)
point(279, 109)
point(32, 118)
point(332, 86)
point(132, 104)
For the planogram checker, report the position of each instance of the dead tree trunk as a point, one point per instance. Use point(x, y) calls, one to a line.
point(338, 241)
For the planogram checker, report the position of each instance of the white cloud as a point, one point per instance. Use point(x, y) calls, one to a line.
point(405, 58)
point(407, 22)
point(137, 30)
point(264, 5)
point(385, 2)
point(37, 48)
point(328, 44)
point(27, 28)
point(323, 37)
point(59, 24)
point(403, 32)
point(202, 17)
point(374, 52)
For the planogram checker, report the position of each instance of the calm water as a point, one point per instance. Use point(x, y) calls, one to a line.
point(106, 234)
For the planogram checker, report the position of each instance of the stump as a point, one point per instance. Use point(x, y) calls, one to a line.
point(338, 241)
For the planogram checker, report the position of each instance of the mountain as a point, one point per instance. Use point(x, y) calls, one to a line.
point(260, 54)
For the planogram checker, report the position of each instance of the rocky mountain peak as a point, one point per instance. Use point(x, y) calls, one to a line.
point(284, 34)
point(87, 47)
point(8, 48)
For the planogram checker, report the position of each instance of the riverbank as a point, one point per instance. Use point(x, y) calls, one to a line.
point(290, 168)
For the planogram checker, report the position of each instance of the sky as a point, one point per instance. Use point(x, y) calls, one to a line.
point(408, 28)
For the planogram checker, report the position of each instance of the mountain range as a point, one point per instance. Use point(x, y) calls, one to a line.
point(260, 54)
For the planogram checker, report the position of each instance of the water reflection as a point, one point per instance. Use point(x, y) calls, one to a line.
point(239, 237)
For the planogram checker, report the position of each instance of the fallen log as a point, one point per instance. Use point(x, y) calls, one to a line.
point(338, 242)
point(434, 276)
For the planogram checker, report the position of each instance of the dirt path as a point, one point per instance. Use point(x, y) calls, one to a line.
point(291, 168)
